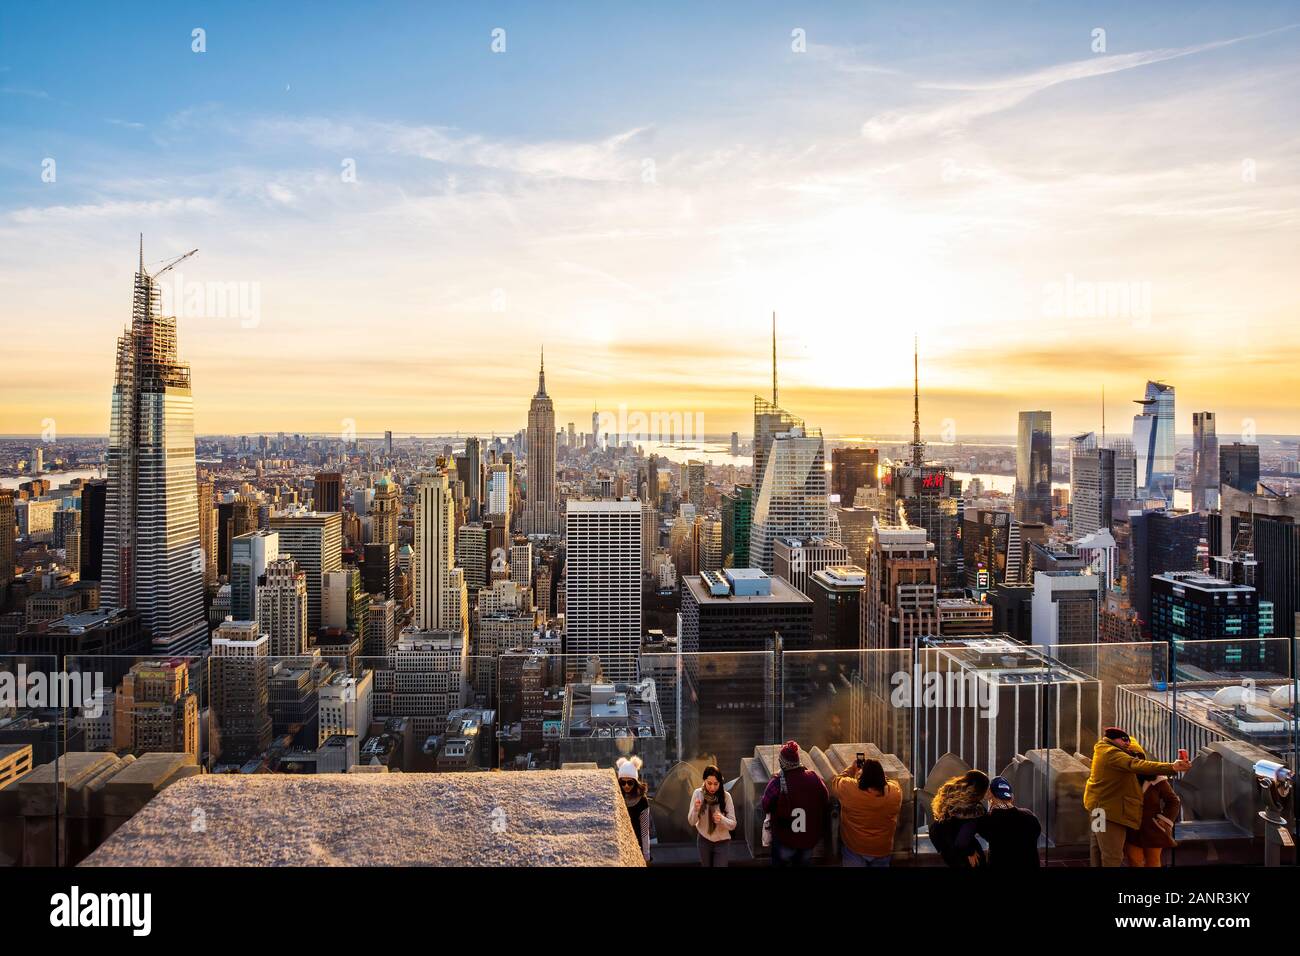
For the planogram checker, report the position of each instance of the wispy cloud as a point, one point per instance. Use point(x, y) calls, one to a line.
point(982, 99)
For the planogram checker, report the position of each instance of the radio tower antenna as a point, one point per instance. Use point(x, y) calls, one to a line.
point(918, 446)
point(774, 401)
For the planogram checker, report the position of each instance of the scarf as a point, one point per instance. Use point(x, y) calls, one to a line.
point(712, 801)
point(786, 765)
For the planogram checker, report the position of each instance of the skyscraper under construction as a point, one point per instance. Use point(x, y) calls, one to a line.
point(153, 561)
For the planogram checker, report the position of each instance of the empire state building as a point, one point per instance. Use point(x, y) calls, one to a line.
point(153, 563)
point(541, 516)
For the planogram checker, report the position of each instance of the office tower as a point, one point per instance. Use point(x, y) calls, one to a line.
point(379, 572)
point(343, 602)
point(735, 444)
point(1205, 462)
point(737, 508)
point(235, 517)
point(1099, 476)
point(207, 532)
point(425, 678)
point(796, 559)
point(282, 607)
point(388, 443)
point(900, 605)
point(151, 526)
point(541, 514)
point(521, 561)
point(899, 609)
point(94, 498)
point(154, 710)
point(1066, 601)
point(1239, 466)
point(8, 530)
point(441, 599)
point(249, 555)
point(240, 674)
point(472, 555)
point(603, 585)
point(652, 480)
point(381, 627)
point(327, 492)
point(386, 508)
point(853, 468)
point(708, 544)
point(769, 421)
point(1153, 442)
point(346, 706)
point(737, 695)
point(474, 485)
point(855, 532)
point(72, 551)
point(694, 482)
point(573, 436)
point(1033, 701)
point(836, 594)
point(500, 492)
point(1267, 525)
point(66, 520)
point(792, 500)
point(315, 541)
point(1034, 467)
point(1228, 619)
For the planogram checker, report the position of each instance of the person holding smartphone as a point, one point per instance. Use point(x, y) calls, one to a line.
point(869, 806)
point(1113, 794)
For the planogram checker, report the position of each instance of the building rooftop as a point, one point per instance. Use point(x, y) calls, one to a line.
point(523, 818)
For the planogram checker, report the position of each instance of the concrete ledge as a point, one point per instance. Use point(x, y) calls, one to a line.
point(519, 818)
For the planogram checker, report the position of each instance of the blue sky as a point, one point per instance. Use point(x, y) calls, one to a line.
point(935, 169)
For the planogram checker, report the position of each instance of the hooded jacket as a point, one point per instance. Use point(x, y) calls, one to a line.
point(1113, 785)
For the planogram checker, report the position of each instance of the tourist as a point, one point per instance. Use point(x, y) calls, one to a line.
point(957, 810)
point(714, 817)
point(1011, 832)
point(797, 800)
point(634, 796)
point(869, 807)
point(1160, 809)
point(1113, 794)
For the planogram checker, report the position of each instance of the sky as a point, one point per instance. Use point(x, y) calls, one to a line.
point(400, 205)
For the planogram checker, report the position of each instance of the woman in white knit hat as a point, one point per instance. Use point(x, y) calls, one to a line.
point(634, 796)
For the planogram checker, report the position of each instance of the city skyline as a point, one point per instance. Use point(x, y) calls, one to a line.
point(831, 166)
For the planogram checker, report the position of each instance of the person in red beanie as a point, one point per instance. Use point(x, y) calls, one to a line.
point(798, 802)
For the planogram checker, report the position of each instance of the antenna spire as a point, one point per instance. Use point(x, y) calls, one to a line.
point(918, 446)
point(774, 401)
point(142, 253)
point(1103, 416)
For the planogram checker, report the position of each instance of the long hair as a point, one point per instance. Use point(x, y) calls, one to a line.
point(872, 776)
point(960, 795)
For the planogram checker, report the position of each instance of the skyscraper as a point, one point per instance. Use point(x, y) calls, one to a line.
point(542, 511)
point(792, 499)
point(737, 508)
point(152, 556)
point(851, 469)
point(1034, 467)
point(1205, 462)
point(603, 585)
point(7, 531)
point(440, 594)
point(327, 493)
point(282, 607)
point(315, 541)
point(384, 512)
point(249, 555)
point(94, 498)
point(1153, 441)
point(1239, 466)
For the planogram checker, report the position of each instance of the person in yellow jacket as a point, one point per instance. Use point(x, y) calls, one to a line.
point(1113, 795)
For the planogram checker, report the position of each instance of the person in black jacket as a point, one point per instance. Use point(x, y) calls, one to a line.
point(1011, 831)
point(957, 810)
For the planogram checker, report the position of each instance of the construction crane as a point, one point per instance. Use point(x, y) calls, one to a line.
point(171, 263)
